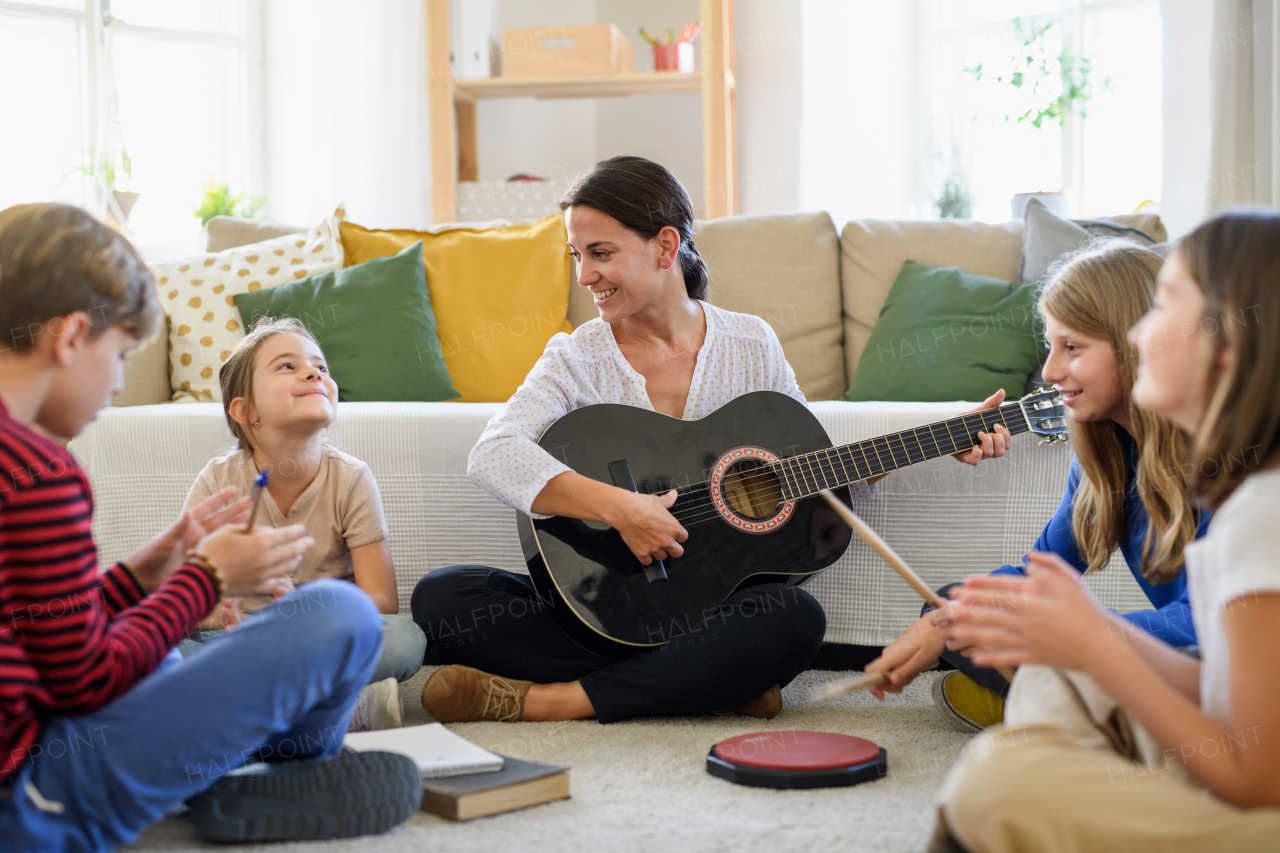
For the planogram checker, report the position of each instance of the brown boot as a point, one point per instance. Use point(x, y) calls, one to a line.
point(766, 706)
point(460, 694)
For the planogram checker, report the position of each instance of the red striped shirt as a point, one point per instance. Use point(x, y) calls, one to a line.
point(71, 639)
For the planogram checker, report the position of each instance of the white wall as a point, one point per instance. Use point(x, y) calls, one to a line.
point(346, 112)
point(857, 140)
point(769, 49)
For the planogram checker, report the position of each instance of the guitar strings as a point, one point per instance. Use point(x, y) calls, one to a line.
point(702, 509)
point(815, 470)
point(888, 448)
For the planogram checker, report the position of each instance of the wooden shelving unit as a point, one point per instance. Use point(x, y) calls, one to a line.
point(451, 105)
point(576, 87)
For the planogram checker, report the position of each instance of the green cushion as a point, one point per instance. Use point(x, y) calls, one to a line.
point(945, 334)
point(373, 321)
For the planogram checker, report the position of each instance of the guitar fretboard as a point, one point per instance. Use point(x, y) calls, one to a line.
point(809, 473)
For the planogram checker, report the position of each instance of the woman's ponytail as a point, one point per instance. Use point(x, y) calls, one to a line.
point(697, 276)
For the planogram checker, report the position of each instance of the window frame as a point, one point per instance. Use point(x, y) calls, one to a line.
point(94, 18)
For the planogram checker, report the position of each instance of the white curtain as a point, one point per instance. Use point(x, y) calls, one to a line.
point(1245, 84)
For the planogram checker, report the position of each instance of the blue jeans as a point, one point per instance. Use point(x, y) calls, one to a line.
point(403, 647)
point(95, 782)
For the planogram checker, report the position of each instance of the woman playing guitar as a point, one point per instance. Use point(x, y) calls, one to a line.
point(657, 345)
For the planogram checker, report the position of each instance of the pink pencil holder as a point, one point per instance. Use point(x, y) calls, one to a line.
point(673, 57)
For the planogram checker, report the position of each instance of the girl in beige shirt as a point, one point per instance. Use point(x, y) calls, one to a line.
point(279, 397)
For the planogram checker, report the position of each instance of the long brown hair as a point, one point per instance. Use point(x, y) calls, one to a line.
point(235, 377)
point(1235, 259)
point(645, 197)
point(1101, 292)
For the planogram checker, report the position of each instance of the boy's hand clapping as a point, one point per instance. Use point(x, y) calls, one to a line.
point(256, 562)
point(152, 564)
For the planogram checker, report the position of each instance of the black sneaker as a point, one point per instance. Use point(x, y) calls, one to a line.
point(349, 794)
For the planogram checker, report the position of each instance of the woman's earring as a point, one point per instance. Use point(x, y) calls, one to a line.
point(257, 423)
point(665, 265)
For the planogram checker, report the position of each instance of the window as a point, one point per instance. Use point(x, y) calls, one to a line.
point(177, 86)
point(1105, 156)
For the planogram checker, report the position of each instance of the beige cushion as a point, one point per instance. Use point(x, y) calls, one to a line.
point(872, 253)
point(785, 269)
point(146, 372)
point(1148, 223)
point(229, 232)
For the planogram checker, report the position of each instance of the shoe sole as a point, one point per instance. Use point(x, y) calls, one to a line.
point(350, 794)
point(954, 718)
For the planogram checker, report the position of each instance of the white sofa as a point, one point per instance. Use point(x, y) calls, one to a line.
point(821, 291)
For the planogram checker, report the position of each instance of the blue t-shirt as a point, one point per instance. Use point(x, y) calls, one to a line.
point(1170, 621)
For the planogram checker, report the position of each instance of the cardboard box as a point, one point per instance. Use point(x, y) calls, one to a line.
point(577, 51)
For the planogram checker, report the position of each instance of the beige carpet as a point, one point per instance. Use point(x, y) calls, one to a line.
point(643, 786)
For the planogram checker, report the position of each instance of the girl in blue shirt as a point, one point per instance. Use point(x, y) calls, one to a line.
point(1127, 487)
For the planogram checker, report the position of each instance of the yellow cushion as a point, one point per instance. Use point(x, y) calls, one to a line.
point(499, 294)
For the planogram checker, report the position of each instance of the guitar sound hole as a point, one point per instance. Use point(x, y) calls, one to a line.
point(752, 489)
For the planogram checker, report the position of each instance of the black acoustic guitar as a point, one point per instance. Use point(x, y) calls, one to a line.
point(744, 474)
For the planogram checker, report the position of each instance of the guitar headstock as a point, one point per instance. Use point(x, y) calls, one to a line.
point(1045, 414)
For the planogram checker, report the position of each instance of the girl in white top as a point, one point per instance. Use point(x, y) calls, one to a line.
point(1113, 740)
point(659, 346)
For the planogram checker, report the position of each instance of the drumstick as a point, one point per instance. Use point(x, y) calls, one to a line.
point(847, 685)
point(891, 557)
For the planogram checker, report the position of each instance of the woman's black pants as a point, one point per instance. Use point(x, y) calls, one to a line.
point(493, 620)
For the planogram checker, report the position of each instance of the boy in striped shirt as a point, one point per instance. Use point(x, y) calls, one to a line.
point(102, 729)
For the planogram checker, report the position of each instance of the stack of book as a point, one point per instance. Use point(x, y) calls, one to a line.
point(461, 781)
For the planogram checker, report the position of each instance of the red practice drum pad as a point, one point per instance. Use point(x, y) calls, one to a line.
point(797, 760)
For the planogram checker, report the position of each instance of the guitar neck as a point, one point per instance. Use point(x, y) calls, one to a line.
point(809, 473)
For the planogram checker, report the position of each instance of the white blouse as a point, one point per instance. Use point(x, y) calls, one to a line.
point(740, 354)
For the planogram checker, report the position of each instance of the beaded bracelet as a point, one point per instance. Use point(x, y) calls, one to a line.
point(206, 564)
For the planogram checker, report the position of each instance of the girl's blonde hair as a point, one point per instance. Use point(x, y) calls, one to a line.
point(235, 377)
point(1101, 292)
point(1235, 259)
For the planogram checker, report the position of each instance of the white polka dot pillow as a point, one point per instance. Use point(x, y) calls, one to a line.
point(204, 323)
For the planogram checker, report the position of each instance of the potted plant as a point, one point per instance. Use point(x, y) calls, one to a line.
point(216, 199)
